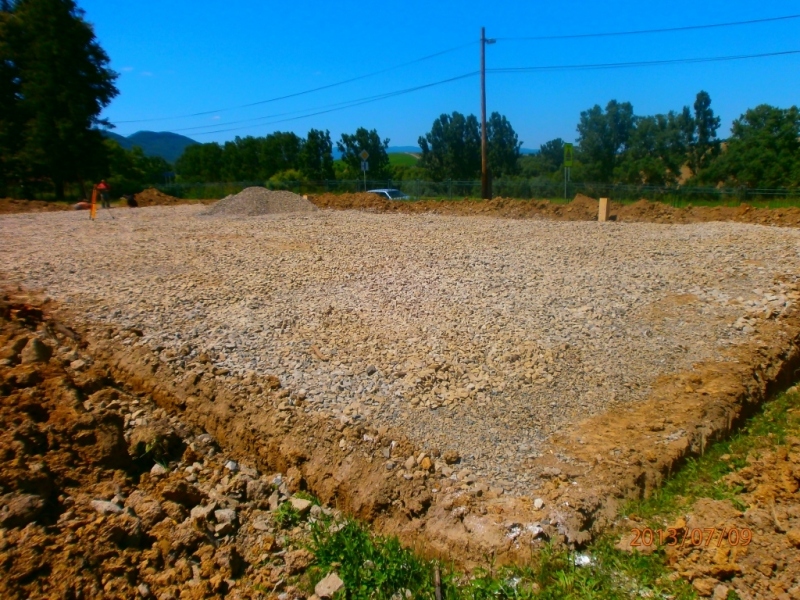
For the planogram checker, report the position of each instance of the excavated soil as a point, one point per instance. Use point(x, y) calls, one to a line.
point(754, 551)
point(581, 208)
point(154, 197)
point(12, 206)
point(105, 495)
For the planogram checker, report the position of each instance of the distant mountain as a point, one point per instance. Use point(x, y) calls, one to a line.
point(168, 146)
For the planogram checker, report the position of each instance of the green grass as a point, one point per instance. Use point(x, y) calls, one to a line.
point(286, 516)
point(376, 567)
point(403, 160)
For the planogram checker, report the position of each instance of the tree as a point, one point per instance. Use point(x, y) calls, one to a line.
point(657, 149)
point(705, 146)
point(603, 137)
point(60, 84)
point(10, 121)
point(316, 156)
point(351, 146)
point(502, 146)
point(201, 163)
point(546, 162)
point(280, 152)
point(452, 148)
point(131, 170)
point(763, 150)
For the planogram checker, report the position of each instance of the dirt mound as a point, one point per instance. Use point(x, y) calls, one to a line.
point(254, 201)
point(581, 208)
point(154, 197)
point(11, 206)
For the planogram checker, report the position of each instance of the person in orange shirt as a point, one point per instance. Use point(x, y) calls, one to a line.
point(104, 190)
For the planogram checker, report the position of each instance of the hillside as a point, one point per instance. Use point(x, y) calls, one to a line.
point(167, 145)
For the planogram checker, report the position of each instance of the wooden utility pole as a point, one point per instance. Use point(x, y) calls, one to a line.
point(486, 192)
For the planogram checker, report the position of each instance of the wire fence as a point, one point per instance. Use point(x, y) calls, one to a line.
point(524, 189)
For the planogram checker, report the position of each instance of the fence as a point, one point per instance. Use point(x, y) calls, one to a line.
point(508, 188)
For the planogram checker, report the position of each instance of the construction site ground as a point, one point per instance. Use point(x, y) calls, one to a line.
point(396, 425)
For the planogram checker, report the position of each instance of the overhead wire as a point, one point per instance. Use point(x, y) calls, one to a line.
point(647, 31)
point(549, 68)
point(360, 101)
point(645, 63)
point(305, 92)
point(353, 103)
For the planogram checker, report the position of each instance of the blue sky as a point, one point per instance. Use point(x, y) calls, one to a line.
point(177, 58)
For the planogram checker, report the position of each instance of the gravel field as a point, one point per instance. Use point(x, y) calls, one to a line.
point(472, 334)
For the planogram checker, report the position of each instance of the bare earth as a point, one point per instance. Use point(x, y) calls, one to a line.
point(472, 335)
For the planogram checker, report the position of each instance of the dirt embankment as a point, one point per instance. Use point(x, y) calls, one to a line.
point(581, 208)
point(12, 206)
point(148, 197)
point(105, 495)
point(154, 197)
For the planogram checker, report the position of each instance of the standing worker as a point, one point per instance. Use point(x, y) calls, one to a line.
point(104, 190)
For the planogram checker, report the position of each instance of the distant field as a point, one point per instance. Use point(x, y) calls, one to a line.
point(403, 160)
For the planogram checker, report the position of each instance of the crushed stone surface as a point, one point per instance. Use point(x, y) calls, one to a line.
point(254, 201)
point(476, 335)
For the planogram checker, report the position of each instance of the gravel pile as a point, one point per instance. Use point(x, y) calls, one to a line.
point(481, 336)
point(255, 201)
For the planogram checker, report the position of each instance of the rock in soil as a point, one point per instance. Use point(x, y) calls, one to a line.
point(81, 518)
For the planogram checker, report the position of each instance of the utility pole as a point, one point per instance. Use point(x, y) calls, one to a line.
point(486, 192)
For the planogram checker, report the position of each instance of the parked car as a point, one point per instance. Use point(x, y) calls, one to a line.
point(390, 194)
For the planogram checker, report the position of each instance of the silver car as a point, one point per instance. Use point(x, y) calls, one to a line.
point(390, 194)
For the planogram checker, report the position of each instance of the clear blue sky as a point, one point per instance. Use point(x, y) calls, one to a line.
point(180, 57)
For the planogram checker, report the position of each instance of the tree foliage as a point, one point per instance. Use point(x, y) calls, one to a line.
point(316, 156)
point(131, 169)
point(56, 82)
point(502, 146)
point(603, 137)
point(763, 150)
point(452, 148)
point(547, 161)
point(351, 147)
point(615, 145)
point(259, 158)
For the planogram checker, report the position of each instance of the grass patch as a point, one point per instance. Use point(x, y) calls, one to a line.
point(375, 567)
point(401, 159)
point(286, 516)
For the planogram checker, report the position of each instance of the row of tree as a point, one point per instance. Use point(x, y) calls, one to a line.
point(614, 145)
point(762, 151)
point(451, 150)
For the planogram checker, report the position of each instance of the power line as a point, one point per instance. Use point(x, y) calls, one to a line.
point(369, 99)
point(646, 31)
point(353, 103)
point(650, 63)
point(304, 92)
